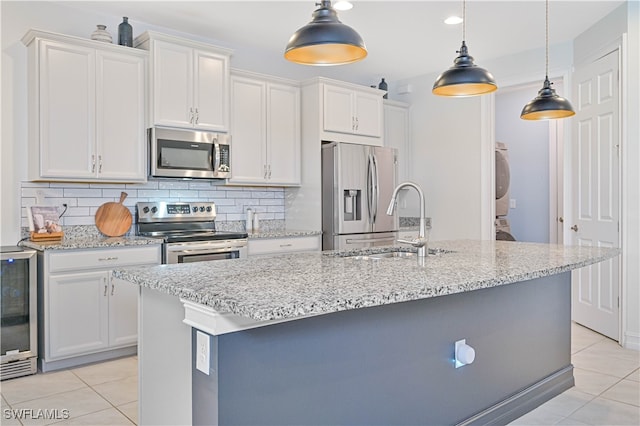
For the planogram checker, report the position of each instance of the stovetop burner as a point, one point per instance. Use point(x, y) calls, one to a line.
point(180, 222)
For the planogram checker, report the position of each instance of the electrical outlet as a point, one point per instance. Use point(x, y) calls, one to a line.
point(512, 203)
point(202, 352)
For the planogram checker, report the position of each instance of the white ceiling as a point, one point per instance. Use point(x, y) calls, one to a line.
point(404, 38)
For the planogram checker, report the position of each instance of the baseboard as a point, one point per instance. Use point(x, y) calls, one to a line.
point(85, 359)
point(631, 341)
point(521, 403)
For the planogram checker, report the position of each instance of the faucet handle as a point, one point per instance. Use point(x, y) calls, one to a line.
point(416, 242)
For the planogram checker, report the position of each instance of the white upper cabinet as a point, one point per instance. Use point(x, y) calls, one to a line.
point(351, 111)
point(86, 110)
point(189, 82)
point(265, 126)
point(342, 112)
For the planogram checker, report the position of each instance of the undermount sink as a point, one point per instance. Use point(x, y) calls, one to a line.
point(396, 254)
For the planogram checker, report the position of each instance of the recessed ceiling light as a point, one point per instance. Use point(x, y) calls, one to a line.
point(453, 20)
point(342, 5)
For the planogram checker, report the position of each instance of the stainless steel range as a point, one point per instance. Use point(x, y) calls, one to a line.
point(189, 231)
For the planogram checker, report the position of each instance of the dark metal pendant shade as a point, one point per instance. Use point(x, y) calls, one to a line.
point(464, 78)
point(325, 41)
point(547, 105)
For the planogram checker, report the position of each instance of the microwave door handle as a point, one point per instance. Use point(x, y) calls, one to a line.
point(216, 156)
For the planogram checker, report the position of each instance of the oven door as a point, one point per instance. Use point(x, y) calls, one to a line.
point(205, 250)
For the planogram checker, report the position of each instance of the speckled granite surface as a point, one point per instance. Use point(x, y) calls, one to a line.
point(290, 286)
point(283, 234)
point(87, 237)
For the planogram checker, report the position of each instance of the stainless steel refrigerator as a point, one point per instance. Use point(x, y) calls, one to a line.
point(357, 184)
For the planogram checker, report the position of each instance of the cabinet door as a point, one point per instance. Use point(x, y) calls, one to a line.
point(123, 313)
point(172, 85)
point(337, 109)
point(248, 159)
point(211, 91)
point(78, 305)
point(368, 114)
point(120, 124)
point(283, 134)
point(67, 111)
point(396, 135)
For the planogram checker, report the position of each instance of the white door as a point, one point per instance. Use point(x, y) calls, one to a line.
point(172, 85)
point(283, 134)
point(211, 91)
point(77, 314)
point(120, 111)
point(123, 313)
point(595, 199)
point(67, 111)
point(249, 164)
point(369, 114)
point(338, 109)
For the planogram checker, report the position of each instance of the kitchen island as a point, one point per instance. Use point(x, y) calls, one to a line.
point(347, 338)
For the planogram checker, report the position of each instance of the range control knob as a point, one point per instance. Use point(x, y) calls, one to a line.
point(154, 210)
point(209, 208)
point(145, 210)
point(195, 209)
point(202, 209)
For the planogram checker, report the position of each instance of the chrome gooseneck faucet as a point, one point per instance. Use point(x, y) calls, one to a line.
point(421, 241)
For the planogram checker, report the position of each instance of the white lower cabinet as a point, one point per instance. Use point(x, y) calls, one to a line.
point(85, 314)
point(261, 246)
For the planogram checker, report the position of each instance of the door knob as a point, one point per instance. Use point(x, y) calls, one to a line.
point(574, 228)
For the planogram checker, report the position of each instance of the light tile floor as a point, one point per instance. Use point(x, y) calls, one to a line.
point(607, 390)
point(98, 394)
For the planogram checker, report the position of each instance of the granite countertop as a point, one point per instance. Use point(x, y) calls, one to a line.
point(88, 237)
point(283, 233)
point(301, 284)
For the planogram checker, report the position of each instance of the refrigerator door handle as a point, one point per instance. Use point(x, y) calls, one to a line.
point(370, 201)
point(376, 188)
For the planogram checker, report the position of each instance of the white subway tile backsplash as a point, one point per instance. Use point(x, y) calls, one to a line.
point(82, 192)
point(83, 199)
point(173, 184)
point(115, 192)
point(97, 201)
point(185, 194)
point(154, 193)
point(211, 195)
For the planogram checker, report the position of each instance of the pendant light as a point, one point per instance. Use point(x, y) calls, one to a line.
point(547, 105)
point(325, 40)
point(464, 78)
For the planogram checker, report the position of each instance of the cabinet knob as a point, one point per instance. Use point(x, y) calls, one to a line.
point(574, 228)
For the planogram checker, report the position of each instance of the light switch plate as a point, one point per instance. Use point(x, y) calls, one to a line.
point(202, 352)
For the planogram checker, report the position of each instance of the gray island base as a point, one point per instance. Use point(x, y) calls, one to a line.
point(327, 339)
point(394, 364)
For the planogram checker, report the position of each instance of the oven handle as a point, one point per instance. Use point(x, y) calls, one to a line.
point(211, 248)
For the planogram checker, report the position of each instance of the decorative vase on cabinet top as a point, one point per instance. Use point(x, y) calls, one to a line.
point(125, 33)
point(101, 34)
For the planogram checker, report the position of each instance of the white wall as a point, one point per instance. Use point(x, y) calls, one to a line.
point(528, 149)
point(446, 159)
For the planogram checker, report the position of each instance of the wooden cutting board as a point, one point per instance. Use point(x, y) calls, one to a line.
point(113, 219)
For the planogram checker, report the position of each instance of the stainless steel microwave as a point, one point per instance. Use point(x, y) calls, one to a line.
point(189, 154)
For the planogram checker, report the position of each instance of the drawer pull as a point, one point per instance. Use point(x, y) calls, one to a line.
point(112, 288)
point(286, 245)
point(103, 259)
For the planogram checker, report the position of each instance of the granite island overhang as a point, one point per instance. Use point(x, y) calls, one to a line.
point(290, 340)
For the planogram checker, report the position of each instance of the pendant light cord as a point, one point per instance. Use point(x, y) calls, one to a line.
point(464, 20)
point(546, 40)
